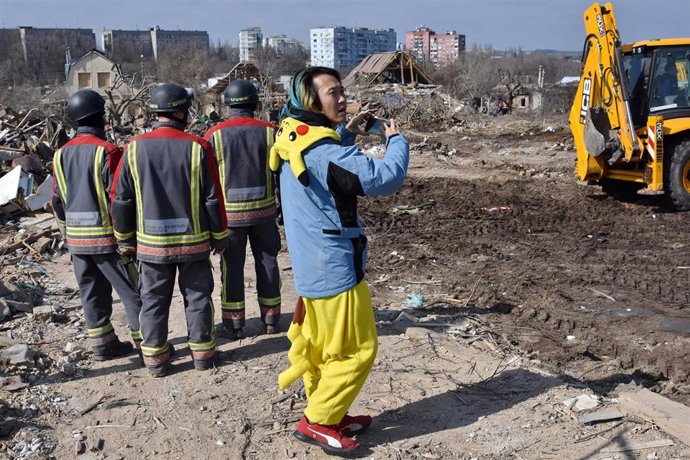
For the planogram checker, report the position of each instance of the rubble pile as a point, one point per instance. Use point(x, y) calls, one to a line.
point(27, 143)
point(37, 316)
point(420, 107)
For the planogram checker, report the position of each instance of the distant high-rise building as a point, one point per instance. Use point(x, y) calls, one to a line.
point(437, 49)
point(43, 50)
point(250, 40)
point(282, 43)
point(148, 43)
point(343, 48)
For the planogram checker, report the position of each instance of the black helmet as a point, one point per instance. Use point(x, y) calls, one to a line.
point(241, 93)
point(169, 97)
point(84, 103)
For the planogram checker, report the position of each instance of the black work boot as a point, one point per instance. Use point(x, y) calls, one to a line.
point(271, 329)
point(204, 364)
point(162, 369)
point(229, 332)
point(111, 350)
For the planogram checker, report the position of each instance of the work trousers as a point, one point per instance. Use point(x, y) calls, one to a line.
point(264, 240)
point(157, 282)
point(333, 350)
point(97, 275)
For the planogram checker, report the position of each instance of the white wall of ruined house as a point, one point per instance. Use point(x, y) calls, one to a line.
point(96, 73)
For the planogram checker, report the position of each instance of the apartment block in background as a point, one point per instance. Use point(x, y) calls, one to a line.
point(250, 40)
point(43, 50)
point(437, 49)
point(149, 43)
point(343, 48)
point(282, 43)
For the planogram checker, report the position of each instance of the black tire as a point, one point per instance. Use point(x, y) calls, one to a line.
point(677, 177)
point(620, 190)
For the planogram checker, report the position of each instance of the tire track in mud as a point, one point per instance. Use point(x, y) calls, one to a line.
point(566, 259)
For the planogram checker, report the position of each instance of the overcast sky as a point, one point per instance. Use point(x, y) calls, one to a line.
point(530, 24)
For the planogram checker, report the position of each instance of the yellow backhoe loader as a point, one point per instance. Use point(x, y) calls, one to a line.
point(631, 113)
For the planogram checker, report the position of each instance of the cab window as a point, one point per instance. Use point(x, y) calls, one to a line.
point(670, 83)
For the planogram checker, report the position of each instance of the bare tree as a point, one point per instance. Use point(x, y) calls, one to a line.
point(472, 76)
point(122, 94)
point(187, 65)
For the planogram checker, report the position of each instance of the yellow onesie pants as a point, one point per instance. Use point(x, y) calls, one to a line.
point(333, 350)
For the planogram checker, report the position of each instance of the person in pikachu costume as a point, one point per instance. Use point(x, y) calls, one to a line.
point(321, 174)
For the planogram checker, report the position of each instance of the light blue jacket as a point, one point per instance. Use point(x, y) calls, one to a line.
point(326, 243)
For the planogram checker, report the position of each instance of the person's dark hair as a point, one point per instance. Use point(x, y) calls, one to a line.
point(303, 92)
point(303, 98)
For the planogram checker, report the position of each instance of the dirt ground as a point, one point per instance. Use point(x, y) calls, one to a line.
point(502, 288)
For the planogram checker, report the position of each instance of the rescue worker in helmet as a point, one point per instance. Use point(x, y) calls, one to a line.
point(168, 207)
point(83, 175)
point(241, 145)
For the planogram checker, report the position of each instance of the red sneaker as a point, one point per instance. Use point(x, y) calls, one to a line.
point(352, 425)
point(328, 437)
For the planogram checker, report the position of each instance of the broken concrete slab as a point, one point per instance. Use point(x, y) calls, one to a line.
point(604, 415)
point(42, 221)
point(16, 306)
point(43, 313)
point(18, 354)
point(43, 244)
point(670, 416)
point(417, 333)
point(42, 197)
point(12, 383)
point(582, 402)
point(5, 312)
point(6, 288)
point(14, 185)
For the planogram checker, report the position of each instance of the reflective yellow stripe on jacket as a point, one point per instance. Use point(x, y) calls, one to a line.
point(106, 228)
point(195, 202)
point(60, 175)
point(100, 187)
point(220, 158)
point(270, 138)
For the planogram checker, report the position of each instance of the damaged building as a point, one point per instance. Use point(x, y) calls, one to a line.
point(43, 50)
point(391, 67)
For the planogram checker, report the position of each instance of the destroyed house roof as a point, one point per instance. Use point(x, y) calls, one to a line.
point(99, 54)
point(245, 70)
point(396, 66)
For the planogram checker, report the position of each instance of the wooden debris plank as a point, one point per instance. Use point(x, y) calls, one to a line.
point(639, 446)
point(670, 416)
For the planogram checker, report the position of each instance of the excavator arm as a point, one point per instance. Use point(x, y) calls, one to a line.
point(600, 118)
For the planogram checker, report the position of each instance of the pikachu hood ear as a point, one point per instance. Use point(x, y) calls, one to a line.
point(292, 139)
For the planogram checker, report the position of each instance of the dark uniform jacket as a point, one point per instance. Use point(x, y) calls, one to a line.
point(242, 145)
point(167, 197)
point(83, 169)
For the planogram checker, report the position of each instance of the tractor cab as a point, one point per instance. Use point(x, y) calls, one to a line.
point(657, 74)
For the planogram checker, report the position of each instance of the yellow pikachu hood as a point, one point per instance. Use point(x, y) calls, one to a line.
point(293, 138)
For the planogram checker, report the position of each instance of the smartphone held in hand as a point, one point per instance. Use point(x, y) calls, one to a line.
point(376, 126)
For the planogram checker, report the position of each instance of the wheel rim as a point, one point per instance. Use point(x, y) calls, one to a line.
point(686, 177)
